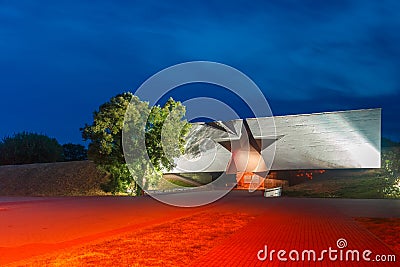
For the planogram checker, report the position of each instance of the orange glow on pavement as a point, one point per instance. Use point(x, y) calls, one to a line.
point(122, 231)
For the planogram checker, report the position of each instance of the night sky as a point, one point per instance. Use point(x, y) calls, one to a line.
point(60, 60)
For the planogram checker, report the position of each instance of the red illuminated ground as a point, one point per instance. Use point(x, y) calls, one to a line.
point(142, 232)
point(387, 229)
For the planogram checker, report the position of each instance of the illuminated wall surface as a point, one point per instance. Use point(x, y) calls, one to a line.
point(329, 140)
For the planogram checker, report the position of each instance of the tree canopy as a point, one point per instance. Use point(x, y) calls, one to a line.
point(163, 130)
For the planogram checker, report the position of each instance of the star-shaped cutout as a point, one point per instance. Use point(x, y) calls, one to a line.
point(246, 151)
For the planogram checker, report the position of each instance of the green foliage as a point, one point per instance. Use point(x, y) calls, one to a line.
point(159, 125)
point(105, 148)
point(391, 167)
point(25, 148)
point(74, 152)
point(163, 141)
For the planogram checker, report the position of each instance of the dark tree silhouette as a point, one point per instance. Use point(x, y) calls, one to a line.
point(74, 152)
point(25, 148)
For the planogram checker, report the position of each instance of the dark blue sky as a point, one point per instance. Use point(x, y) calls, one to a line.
point(60, 60)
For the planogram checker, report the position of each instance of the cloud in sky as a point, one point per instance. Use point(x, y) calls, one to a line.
point(61, 60)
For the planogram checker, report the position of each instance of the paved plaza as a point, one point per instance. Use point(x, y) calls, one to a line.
point(35, 226)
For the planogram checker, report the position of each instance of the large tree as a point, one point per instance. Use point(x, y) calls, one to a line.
point(163, 129)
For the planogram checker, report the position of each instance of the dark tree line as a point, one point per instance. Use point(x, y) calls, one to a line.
point(26, 148)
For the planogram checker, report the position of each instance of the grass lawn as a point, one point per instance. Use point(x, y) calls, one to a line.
point(341, 184)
